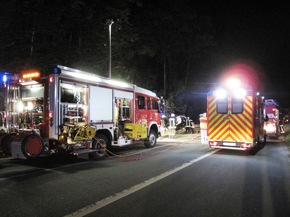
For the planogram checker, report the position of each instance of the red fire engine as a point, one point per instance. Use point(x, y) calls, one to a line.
point(235, 119)
point(272, 112)
point(73, 111)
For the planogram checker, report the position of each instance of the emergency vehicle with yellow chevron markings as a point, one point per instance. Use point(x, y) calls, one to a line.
point(235, 119)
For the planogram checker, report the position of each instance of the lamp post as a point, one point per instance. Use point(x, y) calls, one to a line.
point(110, 23)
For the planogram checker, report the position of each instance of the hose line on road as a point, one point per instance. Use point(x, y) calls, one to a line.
point(141, 152)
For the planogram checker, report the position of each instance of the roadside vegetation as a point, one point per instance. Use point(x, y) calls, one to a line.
point(287, 134)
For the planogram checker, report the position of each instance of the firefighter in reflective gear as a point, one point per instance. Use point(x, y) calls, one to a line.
point(203, 128)
point(172, 125)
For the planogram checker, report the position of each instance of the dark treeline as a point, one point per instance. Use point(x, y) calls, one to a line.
point(160, 45)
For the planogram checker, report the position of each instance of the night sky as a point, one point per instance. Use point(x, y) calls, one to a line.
point(258, 31)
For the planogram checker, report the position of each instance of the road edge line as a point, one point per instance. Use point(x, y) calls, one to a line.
point(108, 200)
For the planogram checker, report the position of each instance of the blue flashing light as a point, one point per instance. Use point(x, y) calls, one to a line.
point(56, 70)
point(4, 78)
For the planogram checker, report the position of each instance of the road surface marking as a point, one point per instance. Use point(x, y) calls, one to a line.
point(106, 201)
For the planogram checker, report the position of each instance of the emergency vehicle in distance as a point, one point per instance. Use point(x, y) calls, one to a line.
point(235, 118)
point(272, 127)
point(76, 112)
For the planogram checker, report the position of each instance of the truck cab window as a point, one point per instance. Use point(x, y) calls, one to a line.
point(141, 102)
point(155, 104)
point(148, 104)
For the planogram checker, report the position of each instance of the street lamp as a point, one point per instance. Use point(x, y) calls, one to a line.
point(110, 23)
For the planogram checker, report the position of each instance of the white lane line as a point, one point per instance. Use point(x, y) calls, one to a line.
point(106, 201)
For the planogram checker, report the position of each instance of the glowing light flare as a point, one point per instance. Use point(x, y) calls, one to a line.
point(233, 83)
point(4, 79)
point(248, 73)
point(28, 82)
point(20, 107)
point(220, 93)
point(82, 76)
point(240, 93)
point(29, 106)
point(30, 75)
point(270, 128)
point(117, 83)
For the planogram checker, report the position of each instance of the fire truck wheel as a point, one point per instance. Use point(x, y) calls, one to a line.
point(99, 143)
point(32, 146)
point(152, 139)
point(6, 143)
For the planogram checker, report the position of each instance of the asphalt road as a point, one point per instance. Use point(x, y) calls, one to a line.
point(180, 177)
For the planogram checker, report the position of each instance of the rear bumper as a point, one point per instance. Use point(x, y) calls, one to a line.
point(233, 145)
point(232, 148)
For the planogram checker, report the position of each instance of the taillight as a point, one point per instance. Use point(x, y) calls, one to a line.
point(51, 119)
point(214, 143)
point(246, 145)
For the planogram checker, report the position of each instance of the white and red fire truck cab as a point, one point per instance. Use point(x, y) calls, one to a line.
point(76, 111)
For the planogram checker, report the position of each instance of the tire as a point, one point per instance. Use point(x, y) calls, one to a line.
point(101, 144)
point(6, 144)
point(152, 139)
point(32, 146)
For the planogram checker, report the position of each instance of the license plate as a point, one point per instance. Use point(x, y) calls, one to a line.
point(229, 144)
